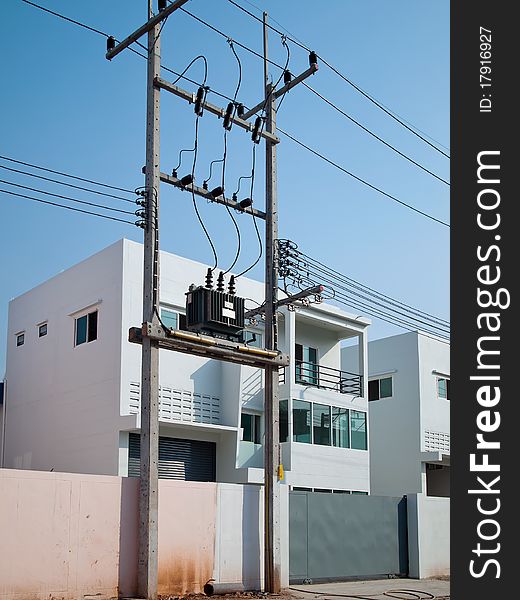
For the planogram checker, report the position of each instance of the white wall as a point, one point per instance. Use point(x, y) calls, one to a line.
point(394, 423)
point(62, 400)
point(428, 536)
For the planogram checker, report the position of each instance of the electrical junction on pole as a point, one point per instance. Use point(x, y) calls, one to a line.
point(209, 311)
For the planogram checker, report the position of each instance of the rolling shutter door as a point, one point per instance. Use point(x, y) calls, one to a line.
point(188, 460)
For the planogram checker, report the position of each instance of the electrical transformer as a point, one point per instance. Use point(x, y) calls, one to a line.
point(214, 312)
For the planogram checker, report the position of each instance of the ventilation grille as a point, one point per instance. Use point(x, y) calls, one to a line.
point(435, 441)
point(179, 405)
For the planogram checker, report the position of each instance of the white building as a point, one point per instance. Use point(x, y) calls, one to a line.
point(409, 394)
point(73, 384)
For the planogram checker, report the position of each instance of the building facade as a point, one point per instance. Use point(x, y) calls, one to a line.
point(73, 384)
point(409, 400)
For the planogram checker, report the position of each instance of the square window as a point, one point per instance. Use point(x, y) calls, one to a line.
point(20, 339)
point(443, 388)
point(86, 328)
point(42, 330)
point(380, 388)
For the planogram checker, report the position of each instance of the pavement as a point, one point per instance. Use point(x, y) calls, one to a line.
point(380, 589)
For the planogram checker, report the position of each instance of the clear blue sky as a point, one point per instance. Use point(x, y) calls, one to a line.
point(64, 106)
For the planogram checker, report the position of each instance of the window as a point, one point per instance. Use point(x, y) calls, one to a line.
point(251, 425)
point(340, 432)
point(302, 421)
point(358, 430)
point(42, 330)
point(86, 328)
point(443, 388)
point(380, 388)
point(284, 420)
point(359, 493)
point(321, 424)
point(173, 319)
point(306, 364)
point(20, 339)
point(251, 338)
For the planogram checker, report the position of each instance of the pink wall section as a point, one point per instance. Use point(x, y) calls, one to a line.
point(68, 535)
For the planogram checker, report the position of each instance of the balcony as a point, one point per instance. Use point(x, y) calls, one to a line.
point(312, 374)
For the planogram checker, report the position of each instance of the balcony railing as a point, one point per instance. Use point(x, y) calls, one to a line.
point(315, 375)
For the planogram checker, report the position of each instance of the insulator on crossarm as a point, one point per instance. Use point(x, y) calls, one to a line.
point(313, 58)
point(198, 101)
point(287, 76)
point(111, 43)
point(256, 130)
point(227, 117)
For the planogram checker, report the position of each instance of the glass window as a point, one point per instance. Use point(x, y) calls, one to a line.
point(42, 330)
point(81, 330)
point(86, 328)
point(380, 388)
point(443, 387)
point(360, 493)
point(321, 424)
point(358, 430)
point(170, 318)
point(322, 491)
point(284, 420)
point(251, 426)
point(385, 387)
point(340, 433)
point(302, 421)
point(306, 365)
point(20, 339)
point(251, 338)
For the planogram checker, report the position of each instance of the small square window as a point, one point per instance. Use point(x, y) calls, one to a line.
point(443, 388)
point(42, 330)
point(20, 339)
point(251, 426)
point(86, 328)
point(380, 388)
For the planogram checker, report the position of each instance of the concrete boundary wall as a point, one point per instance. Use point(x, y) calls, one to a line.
point(428, 536)
point(69, 536)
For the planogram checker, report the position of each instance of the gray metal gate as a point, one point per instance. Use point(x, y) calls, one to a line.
point(188, 460)
point(343, 536)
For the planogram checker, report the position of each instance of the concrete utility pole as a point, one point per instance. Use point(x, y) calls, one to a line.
point(272, 558)
point(149, 481)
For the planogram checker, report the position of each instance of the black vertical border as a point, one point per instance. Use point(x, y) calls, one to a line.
point(472, 132)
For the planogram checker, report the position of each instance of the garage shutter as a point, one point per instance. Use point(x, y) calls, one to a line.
point(189, 460)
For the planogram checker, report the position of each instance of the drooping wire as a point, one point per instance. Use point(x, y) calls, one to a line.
point(260, 245)
point(235, 224)
point(196, 145)
point(203, 58)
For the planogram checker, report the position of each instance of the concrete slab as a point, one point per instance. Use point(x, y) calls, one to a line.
point(379, 589)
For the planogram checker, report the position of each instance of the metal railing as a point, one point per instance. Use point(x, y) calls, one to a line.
point(313, 374)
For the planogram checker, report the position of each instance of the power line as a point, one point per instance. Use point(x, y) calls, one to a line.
point(126, 212)
point(362, 286)
point(315, 152)
point(379, 104)
point(363, 181)
point(71, 185)
point(20, 162)
point(380, 139)
point(87, 212)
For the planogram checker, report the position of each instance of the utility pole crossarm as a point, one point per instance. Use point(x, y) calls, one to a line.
point(216, 110)
point(283, 90)
point(203, 193)
point(147, 27)
point(312, 291)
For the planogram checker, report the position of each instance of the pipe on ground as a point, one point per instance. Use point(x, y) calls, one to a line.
point(211, 587)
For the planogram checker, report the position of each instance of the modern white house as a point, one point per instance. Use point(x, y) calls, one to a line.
point(72, 400)
point(409, 400)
